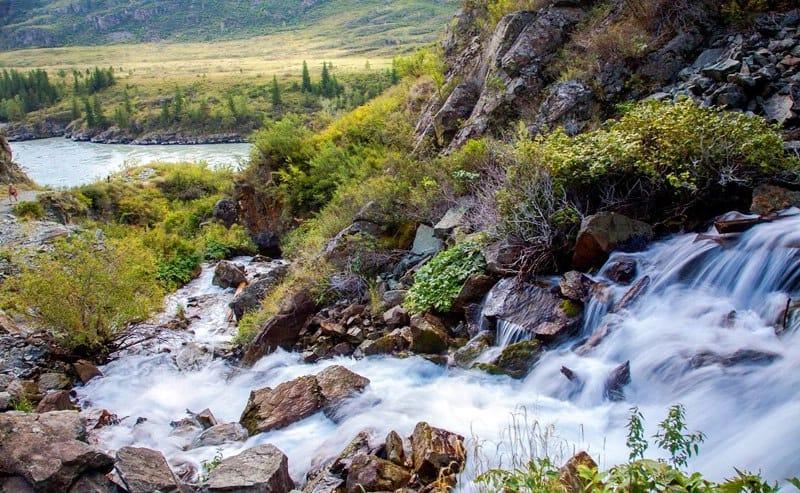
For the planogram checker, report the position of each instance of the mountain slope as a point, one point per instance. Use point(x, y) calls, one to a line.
point(40, 23)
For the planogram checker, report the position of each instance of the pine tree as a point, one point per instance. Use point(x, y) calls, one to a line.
point(177, 105)
point(325, 81)
point(306, 86)
point(276, 92)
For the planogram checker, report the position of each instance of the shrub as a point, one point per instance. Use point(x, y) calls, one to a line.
point(660, 159)
point(437, 283)
point(190, 181)
point(29, 210)
point(87, 293)
point(219, 242)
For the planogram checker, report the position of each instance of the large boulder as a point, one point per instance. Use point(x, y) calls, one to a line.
point(144, 471)
point(261, 469)
point(602, 233)
point(534, 307)
point(436, 453)
point(249, 299)
point(269, 409)
point(48, 450)
point(425, 241)
point(768, 199)
point(284, 328)
point(228, 274)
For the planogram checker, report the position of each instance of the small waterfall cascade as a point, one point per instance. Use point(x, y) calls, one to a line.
point(710, 332)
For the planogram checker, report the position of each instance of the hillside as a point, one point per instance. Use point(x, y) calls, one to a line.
point(368, 23)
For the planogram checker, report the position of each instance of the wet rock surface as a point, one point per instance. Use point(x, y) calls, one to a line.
point(268, 409)
point(533, 307)
point(261, 469)
point(144, 471)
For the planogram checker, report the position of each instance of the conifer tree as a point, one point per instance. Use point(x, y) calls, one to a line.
point(306, 86)
point(325, 82)
point(276, 92)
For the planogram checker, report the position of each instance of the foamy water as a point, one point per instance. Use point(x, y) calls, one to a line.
point(703, 297)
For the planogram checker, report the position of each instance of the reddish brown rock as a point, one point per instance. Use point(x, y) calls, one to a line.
point(370, 473)
point(284, 328)
point(436, 452)
point(602, 233)
point(86, 370)
point(55, 401)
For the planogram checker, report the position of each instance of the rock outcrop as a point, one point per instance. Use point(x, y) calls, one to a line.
point(48, 452)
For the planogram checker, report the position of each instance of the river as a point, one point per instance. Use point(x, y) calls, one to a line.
point(60, 162)
point(705, 296)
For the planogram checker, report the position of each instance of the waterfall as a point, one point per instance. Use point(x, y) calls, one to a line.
point(703, 334)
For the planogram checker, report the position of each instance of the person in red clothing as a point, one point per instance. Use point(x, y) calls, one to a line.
point(13, 193)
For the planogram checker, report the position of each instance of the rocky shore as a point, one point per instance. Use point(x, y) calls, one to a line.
point(55, 127)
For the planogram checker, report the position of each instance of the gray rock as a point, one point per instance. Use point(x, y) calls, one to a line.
point(220, 434)
point(453, 218)
point(396, 317)
point(193, 356)
point(468, 353)
point(250, 297)
point(145, 471)
point(6, 401)
point(720, 70)
point(228, 274)
point(614, 388)
point(394, 297)
point(534, 308)
point(425, 241)
point(261, 469)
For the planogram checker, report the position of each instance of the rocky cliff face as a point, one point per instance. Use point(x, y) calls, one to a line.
point(521, 70)
point(10, 172)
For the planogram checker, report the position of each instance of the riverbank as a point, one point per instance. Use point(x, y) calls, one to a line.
point(52, 127)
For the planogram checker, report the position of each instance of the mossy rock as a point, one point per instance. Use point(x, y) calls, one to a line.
point(571, 308)
point(516, 360)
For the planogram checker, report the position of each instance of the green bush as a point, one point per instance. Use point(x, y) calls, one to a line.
point(190, 181)
point(678, 148)
point(87, 293)
point(29, 210)
point(219, 242)
point(437, 283)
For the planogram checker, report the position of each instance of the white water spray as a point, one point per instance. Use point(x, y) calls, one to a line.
point(705, 296)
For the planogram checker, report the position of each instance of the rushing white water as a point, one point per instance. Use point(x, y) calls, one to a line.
point(60, 162)
point(704, 296)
